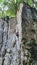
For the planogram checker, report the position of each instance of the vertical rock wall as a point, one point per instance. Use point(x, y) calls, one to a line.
point(18, 50)
point(1, 32)
point(29, 33)
point(19, 27)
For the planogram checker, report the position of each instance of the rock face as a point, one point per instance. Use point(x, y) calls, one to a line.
point(29, 32)
point(9, 49)
point(1, 32)
point(13, 23)
point(19, 49)
point(27, 16)
point(0, 60)
point(29, 25)
point(8, 42)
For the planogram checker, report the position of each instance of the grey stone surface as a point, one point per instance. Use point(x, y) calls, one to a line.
point(1, 60)
point(11, 51)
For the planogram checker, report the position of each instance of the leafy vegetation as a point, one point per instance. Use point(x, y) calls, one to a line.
point(10, 6)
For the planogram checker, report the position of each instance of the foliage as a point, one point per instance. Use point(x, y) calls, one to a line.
point(10, 6)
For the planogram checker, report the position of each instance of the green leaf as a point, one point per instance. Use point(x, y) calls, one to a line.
point(30, 2)
point(12, 6)
point(2, 1)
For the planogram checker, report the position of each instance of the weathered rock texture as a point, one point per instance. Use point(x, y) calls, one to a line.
point(20, 50)
point(7, 40)
point(13, 23)
point(29, 22)
point(29, 33)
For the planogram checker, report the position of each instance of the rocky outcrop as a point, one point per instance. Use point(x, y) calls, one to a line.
point(19, 49)
point(28, 22)
point(29, 32)
point(7, 40)
point(13, 23)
